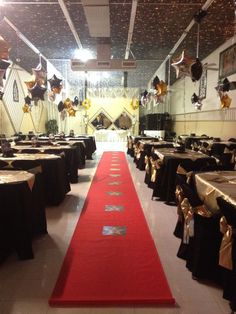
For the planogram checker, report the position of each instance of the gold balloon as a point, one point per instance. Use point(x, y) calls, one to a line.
point(57, 90)
point(135, 103)
point(86, 103)
point(30, 84)
point(71, 112)
point(67, 103)
point(225, 101)
point(161, 89)
point(26, 108)
point(4, 49)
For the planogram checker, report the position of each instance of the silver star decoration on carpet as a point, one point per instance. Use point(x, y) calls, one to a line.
point(111, 208)
point(114, 193)
point(114, 230)
point(114, 183)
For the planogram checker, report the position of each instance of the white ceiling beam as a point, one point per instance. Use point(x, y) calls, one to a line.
point(70, 23)
point(131, 28)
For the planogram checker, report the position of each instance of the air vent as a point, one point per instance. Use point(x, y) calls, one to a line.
point(129, 64)
point(104, 64)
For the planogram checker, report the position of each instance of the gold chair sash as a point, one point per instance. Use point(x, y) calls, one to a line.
point(188, 220)
point(146, 161)
point(153, 170)
point(179, 195)
point(182, 171)
point(225, 254)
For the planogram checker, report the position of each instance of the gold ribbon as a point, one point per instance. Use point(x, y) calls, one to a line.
point(153, 170)
point(182, 171)
point(225, 254)
point(179, 195)
point(188, 220)
point(202, 211)
point(146, 161)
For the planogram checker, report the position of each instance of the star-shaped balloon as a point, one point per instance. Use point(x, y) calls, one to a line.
point(60, 106)
point(134, 103)
point(196, 101)
point(225, 86)
point(26, 108)
point(161, 88)
point(155, 82)
point(1, 95)
point(76, 101)
point(40, 74)
point(4, 49)
point(71, 112)
point(30, 84)
point(196, 70)
point(225, 100)
point(55, 84)
point(63, 115)
point(51, 96)
point(28, 100)
point(182, 64)
point(86, 103)
point(37, 92)
point(67, 103)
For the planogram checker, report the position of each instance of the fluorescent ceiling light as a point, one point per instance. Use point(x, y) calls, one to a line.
point(83, 54)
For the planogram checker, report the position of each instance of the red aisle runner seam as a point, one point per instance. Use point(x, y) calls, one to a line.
point(112, 258)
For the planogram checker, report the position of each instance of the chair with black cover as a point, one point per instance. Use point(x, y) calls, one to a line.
point(232, 139)
point(202, 250)
point(205, 164)
point(4, 164)
point(228, 224)
point(184, 171)
point(39, 224)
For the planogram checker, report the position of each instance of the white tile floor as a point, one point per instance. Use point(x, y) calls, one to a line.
point(25, 286)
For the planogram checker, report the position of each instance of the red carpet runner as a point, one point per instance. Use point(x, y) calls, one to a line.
point(112, 259)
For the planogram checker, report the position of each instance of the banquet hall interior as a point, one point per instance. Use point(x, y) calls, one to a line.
point(151, 81)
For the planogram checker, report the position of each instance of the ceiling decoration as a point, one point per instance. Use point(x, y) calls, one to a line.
point(144, 30)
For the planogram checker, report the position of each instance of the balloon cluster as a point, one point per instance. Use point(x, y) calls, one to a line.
point(68, 106)
point(222, 88)
point(4, 64)
point(160, 89)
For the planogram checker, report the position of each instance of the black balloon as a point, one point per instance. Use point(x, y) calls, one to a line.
point(37, 92)
point(60, 106)
point(155, 81)
point(28, 100)
point(194, 98)
point(196, 70)
point(76, 101)
point(55, 82)
point(199, 15)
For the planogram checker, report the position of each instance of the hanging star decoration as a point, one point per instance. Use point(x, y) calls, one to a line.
point(144, 98)
point(68, 106)
point(222, 88)
point(196, 70)
point(3, 67)
point(161, 88)
point(36, 87)
point(55, 84)
point(86, 103)
point(225, 100)
point(155, 82)
point(27, 106)
point(4, 49)
point(135, 103)
point(39, 74)
point(196, 101)
point(182, 64)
